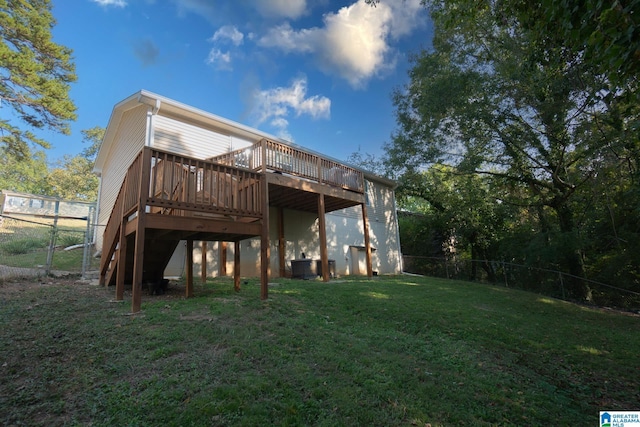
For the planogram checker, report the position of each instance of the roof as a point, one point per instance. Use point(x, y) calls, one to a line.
point(172, 108)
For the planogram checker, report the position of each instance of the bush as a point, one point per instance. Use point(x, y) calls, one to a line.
point(70, 239)
point(24, 245)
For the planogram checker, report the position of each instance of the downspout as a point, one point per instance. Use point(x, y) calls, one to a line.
point(96, 216)
point(152, 110)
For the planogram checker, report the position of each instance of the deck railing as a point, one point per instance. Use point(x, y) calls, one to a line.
point(267, 155)
point(179, 185)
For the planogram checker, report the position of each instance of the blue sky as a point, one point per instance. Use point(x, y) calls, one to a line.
point(319, 73)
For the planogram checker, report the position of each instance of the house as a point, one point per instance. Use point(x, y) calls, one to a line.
point(181, 186)
point(13, 203)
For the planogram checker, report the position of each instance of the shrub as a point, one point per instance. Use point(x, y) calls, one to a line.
point(24, 245)
point(70, 239)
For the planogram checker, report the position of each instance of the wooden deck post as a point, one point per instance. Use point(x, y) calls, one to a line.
point(281, 243)
point(122, 255)
point(265, 257)
point(138, 258)
point(263, 155)
point(236, 265)
point(324, 258)
point(367, 243)
point(189, 284)
point(122, 259)
point(222, 258)
point(203, 266)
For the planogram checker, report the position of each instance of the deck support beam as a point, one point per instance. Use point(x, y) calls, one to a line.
point(324, 257)
point(281, 243)
point(222, 259)
point(203, 262)
point(189, 284)
point(121, 270)
point(236, 265)
point(141, 223)
point(265, 257)
point(138, 258)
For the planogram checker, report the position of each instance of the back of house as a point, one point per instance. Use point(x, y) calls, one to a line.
point(149, 120)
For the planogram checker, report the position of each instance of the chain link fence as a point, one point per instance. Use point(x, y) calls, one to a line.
point(547, 282)
point(41, 246)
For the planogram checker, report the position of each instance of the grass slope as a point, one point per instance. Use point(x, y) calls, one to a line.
point(391, 351)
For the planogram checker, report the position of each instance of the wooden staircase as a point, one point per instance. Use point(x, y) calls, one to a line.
point(166, 198)
point(157, 254)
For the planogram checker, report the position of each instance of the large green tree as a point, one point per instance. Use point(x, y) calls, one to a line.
point(73, 177)
point(461, 210)
point(28, 174)
point(496, 97)
point(35, 74)
point(607, 32)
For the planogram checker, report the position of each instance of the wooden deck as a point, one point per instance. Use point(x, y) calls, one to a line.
point(166, 198)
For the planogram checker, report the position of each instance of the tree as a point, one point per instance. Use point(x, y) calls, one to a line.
point(461, 210)
point(73, 178)
point(607, 32)
point(93, 137)
point(368, 162)
point(35, 74)
point(496, 98)
point(25, 175)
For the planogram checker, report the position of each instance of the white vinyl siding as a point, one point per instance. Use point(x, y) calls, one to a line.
point(238, 143)
point(188, 140)
point(379, 199)
point(127, 144)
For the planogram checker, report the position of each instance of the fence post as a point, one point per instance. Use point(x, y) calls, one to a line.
point(86, 249)
point(561, 285)
point(52, 241)
point(446, 267)
point(504, 271)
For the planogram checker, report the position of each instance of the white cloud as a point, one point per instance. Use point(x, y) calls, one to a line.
point(281, 124)
point(220, 60)
point(406, 16)
point(274, 105)
point(205, 8)
point(289, 40)
point(354, 42)
point(117, 3)
point(228, 32)
point(290, 9)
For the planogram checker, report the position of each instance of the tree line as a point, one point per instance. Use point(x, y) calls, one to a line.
point(69, 178)
point(518, 138)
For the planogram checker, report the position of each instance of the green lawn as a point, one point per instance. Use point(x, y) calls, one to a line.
point(389, 351)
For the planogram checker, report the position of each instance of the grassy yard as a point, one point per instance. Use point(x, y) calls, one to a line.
point(389, 351)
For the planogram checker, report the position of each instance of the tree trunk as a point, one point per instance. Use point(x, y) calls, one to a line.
point(474, 267)
point(572, 255)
